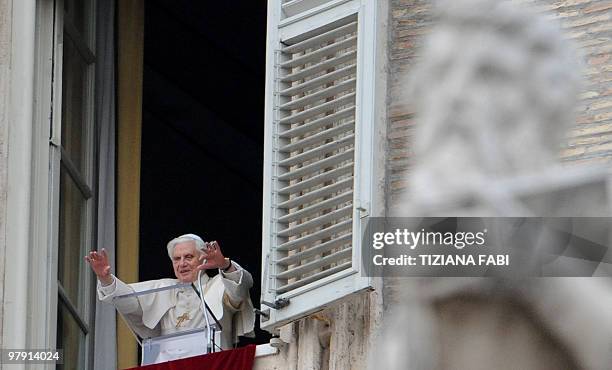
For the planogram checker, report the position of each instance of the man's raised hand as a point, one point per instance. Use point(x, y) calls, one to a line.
point(212, 257)
point(100, 266)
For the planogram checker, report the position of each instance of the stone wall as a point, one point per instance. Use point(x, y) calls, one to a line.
point(409, 21)
point(587, 23)
point(338, 338)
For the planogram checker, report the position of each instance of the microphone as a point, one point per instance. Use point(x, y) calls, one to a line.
point(210, 345)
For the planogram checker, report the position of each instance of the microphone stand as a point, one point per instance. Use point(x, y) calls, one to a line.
point(210, 331)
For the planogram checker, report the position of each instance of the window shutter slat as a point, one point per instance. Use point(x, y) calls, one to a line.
point(318, 54)
point(317, 249)
point(317, 194)
point(321, 39)
point(327, 78)
point(317, 166)
point(294, 7)
point(318, 151)
point(316, 222)
point(315, 264)
point(319, 137)
point(308, 211)
point(329, 63)
point(313, 181)
point(321, 122)
point(319, 235)
point(319, 109)
point(319, 95)
point(313, 278)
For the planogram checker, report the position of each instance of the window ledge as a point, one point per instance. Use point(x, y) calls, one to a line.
point(263, 350)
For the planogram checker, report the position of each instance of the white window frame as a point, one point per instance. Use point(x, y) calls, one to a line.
point(369, 148)
point(86, 283)
point(41, 333)
point(33, 168)
point(19, 145)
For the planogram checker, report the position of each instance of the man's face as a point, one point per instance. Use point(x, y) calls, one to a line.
point(185, 261)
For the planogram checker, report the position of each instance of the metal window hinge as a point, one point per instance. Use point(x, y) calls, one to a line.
point(278, 304)
point(265, 314)
point(363, 212)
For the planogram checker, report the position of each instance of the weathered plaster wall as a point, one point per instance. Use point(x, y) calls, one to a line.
point(5, 48)
point(337, 338)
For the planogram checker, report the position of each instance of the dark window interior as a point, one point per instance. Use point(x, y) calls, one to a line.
point(202, 135)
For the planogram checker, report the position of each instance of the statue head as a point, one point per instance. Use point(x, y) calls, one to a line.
point(494, 93)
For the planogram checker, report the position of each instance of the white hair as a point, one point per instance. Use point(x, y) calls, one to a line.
point(199, 243)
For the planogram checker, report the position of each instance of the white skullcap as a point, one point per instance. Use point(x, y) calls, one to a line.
point(199, 243)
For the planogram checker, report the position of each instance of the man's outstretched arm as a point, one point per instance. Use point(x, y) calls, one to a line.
point(109, 287)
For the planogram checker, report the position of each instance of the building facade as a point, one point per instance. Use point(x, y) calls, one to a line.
point(337, 143)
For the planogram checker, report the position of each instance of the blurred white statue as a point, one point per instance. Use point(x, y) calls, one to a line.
point(494, 95)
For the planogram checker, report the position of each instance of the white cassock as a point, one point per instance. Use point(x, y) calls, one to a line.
point(174, 310)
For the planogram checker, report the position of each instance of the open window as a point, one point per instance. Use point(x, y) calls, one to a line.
point(72, 171)
point(318, 153)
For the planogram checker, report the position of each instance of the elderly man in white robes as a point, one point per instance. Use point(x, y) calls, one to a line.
point(170, 311)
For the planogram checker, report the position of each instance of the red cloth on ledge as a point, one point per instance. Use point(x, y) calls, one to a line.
point(235, 359)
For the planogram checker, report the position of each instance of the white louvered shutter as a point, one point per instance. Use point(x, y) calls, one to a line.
point(314, 198)
point(293, 7)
